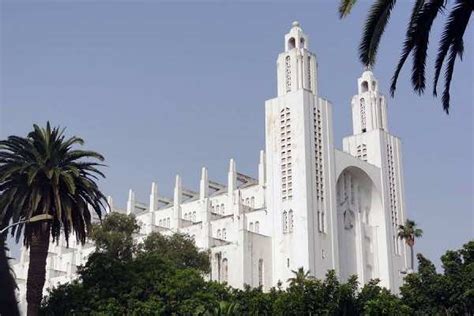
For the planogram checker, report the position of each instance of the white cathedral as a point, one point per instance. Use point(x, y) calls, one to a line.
point(311, 206)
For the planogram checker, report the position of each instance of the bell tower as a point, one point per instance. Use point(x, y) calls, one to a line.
point(369, 107)
point(300, 164)
point(296, 66)
point(372, 142)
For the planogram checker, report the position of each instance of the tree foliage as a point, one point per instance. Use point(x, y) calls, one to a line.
point(424, 12)
point(45, 174)
point(165, 275)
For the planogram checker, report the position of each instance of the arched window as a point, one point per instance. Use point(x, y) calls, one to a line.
point(364, 86)
point(160, 222)
point(251, 226)
point(217, 208)
point(301, 42)
point(285, 222)
point(260, 272)
point(291, 43)
point(257, 226)
point(194, 216)
point(224, 234)
point(374, 85)
point(225, 270)
point(252, 202)
point(219, 235)
point(222, 208)
point(291, 221)
point(247, 201)
point(168, 222)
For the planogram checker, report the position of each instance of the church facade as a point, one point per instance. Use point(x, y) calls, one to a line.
point(311, 205)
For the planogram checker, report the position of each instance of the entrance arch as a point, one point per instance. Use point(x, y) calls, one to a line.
point(360, 213)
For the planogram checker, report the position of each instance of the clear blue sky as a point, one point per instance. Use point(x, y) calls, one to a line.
point(166, 88)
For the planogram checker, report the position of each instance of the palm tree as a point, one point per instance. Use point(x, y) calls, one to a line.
point(300, 276)
point(409, 232)
point(424, 12)
point(44, 174)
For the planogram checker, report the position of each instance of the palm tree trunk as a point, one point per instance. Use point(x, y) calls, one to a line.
point(412, 258)
point(37, 269)
point(8, 302)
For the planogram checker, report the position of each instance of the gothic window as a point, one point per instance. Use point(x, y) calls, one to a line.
point(288, 73)
point(251, 226)
point(260, 272)
point(225, 270)
point(285, 222)
point(291, 221)
point(247, 201)
point(217, 208)
point(257, 226)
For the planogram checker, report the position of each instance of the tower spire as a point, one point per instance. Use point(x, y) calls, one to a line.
point(296, 66)
point(369, 107)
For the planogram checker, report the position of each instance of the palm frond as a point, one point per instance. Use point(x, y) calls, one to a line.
point(376, 22)
point(43, 173)
point(428, 14)
point(408, 44)
point(452, 41)
point(345, 7)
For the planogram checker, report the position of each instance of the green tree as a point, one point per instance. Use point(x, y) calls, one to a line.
point(43, 174)
point(125, 277)
point(179, 248)
point(114, 235)
point(299, 277)
point(451, 44)
point(451, 293)
point(409, 232)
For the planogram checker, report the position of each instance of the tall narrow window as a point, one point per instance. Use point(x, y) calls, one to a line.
point(252, 202)
point(285, 222)
point(257, 226)
point(251, 227)
point(291, 221)
point(225, 270)
point(194, 216)
point(260, 272)
point(363, 118)
point(219, 234)
point(309, 72)
point(224, 233)
point(288, 73)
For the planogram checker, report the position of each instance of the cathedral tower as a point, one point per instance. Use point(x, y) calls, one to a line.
point(300, 169)
point(372, 143)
